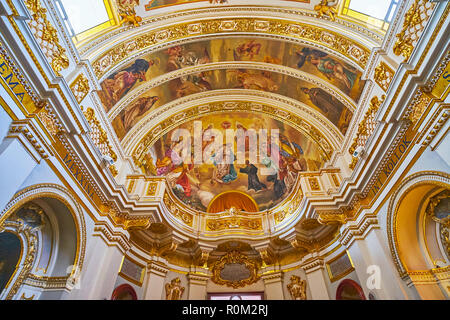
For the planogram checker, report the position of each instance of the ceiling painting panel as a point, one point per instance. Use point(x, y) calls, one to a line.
point(314, 97)
point(264, 180)
point(312, 61)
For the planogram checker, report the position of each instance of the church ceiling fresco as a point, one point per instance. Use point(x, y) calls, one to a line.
point(312, 61)
point(154, 4)
point(265, 178)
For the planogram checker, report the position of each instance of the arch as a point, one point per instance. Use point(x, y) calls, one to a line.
point(411, 190)
point(349, 290)
point(123, 292)
point(65, 221)
point(227, 199)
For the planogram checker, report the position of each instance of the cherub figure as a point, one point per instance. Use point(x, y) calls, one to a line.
point(328, 8)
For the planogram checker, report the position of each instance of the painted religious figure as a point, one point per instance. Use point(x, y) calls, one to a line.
point(134, 112)
point(328, 66)
point(119, 83)
point(267, 181)
point(253, 181)
point(344, 79)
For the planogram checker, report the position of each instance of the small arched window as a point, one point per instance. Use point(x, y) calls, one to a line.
point(349, 290)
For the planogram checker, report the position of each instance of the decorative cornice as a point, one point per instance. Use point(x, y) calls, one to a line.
point(351, 233)
point(119, 239)
point(54, 283)
point(312, 266)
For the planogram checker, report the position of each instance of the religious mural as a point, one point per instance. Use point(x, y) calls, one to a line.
point(320, 64)
point(264, 180)
point(294, 88)
point(10, 250)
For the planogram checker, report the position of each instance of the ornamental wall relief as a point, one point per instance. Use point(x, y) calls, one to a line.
point(234, 270)
point(297, 288)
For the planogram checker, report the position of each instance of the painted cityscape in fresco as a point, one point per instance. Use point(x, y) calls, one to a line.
point(266, 182)
point(312, 61)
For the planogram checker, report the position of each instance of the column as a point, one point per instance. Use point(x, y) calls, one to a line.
point(197, 286)
point(156, 275)
point(273, 284)
point(315, 276)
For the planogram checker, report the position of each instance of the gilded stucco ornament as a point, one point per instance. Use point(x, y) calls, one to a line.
point(414, 22)
point(443, 222)
point(47, 36)
point(366, 128)
point(100, 137)
point(297, 288)
point(80, 87)
point(383, 75)
point(127, 12)
point(328, 8)
point(231, 260)
point(174, 290)
point(25, 223)
point(331, 218)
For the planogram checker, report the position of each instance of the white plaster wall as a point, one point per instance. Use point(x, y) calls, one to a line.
point(138, 289)
point(5, 122)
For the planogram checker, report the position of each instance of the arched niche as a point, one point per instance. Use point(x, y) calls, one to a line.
point(414, 233)
point(52, 230)
point(124, 292)
point(349, 290)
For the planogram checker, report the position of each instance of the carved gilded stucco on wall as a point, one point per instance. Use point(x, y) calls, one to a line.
point(414, 23)
point(332, 40)
point(176, 211)
point(383, 75)
point(235, 258)
point(297, 288)
point(174, 290)
point(233, 223)
point(80, 87)
point(25, 223)
point(47, 36)
point(366, 128)
point(127, 12)
point(100, 138)
point(327, 8)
